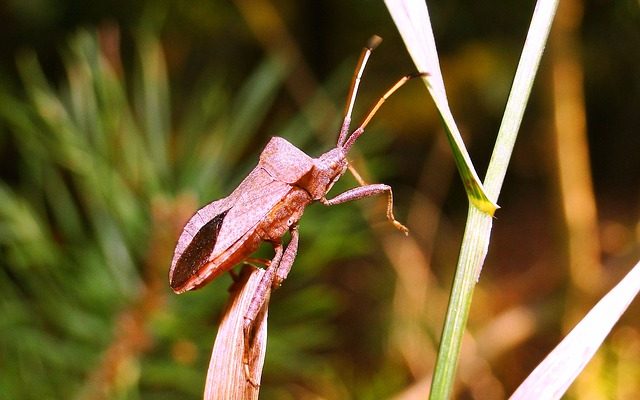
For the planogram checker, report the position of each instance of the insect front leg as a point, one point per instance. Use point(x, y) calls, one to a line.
point(367, 191)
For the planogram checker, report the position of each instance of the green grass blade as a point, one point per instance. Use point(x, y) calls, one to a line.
point(411, 18)
point(514, 110)
point(553, 376)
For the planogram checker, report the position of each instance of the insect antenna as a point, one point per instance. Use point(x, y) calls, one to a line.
point(358, 132)
point(372, 43)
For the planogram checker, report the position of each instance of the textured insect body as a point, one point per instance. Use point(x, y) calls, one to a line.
point(268, 203)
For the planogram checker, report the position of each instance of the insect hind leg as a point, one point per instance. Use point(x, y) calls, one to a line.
point(260, 296)
point(275, 274)
point(282, 270)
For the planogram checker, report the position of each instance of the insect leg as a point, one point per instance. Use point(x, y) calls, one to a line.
point(261, 293)
point(253, 262)
point(367, 191)
point(258, 300)
point(287, 259)
point(257, 261)
point(277, 272)
point(357, 175)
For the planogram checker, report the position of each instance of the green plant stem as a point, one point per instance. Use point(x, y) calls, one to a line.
point(472, 253)
point(477, 233)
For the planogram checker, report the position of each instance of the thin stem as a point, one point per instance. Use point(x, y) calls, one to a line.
point(228, 377)
point(478, 228)
point(472, 253)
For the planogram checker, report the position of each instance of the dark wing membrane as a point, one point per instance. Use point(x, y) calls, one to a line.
point(243, 210)
point(250, 202)
point(197, 252)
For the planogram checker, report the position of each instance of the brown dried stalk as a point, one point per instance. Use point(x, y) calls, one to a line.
point(228, 377)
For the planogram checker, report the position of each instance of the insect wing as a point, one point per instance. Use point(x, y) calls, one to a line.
point(252, 200)
point(218, 225)
point(197, 252)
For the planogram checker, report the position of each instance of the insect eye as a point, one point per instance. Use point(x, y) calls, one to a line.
point(197, 252)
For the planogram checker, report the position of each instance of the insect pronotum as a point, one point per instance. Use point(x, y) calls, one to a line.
point(269, 202)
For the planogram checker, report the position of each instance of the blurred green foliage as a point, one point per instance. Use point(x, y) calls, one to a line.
point(88, 230)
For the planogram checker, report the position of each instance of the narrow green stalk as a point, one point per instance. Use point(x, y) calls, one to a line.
point(477, 233)
point(472, 253)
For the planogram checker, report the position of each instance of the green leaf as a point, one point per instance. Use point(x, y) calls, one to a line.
point(553, 376)
point(412, 20)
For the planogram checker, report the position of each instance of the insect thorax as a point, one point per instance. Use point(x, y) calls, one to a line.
point(327, 169)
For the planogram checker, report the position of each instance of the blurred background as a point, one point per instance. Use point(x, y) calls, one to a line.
point(119, 119)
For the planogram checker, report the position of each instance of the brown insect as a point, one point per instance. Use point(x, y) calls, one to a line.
point(269, 202)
